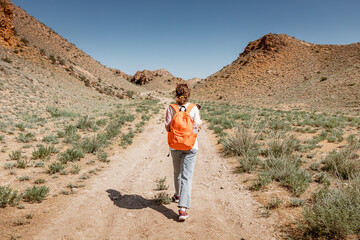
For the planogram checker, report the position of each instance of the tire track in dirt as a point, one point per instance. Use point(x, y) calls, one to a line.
point(117, 204)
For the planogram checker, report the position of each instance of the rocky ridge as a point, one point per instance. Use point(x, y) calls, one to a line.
point(279, 69)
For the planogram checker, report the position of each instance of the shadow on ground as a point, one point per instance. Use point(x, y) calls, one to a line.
point(138, 202)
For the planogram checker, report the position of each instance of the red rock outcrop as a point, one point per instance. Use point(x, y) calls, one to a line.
point(6, 26)
point(143, 77)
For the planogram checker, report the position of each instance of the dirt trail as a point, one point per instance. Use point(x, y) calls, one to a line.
point(117, 203)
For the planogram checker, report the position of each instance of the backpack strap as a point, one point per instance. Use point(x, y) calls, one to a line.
point(175, 107)
point(190, 107)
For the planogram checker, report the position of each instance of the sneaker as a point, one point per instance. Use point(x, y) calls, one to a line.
point(183, 215)
point(175, 198)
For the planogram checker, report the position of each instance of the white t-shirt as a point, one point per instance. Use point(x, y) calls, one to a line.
point(194, 114)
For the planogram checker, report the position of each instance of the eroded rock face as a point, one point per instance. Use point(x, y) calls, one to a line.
point(6, 16)
point(143, 77)
point(268, 43)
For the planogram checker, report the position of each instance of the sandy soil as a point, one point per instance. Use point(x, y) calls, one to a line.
point(117, 204)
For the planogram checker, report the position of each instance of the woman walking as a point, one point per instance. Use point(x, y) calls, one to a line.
point(182, 122)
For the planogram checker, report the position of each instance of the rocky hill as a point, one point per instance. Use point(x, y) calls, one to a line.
point(279, 69)
point(44, 45)
point(160, 79)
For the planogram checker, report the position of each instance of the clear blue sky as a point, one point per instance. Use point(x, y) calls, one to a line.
point(190, 38)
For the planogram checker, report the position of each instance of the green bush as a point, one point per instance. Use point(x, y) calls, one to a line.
point(22, 163)
point(242, 143)
point(279, 147)
point(86, 122)
point(9, 197)
point(70, 135)
point(102, 156)
point(287, 171)
point(161, 184)
point(35, 194)
point(56, 167)
point(71, 155)
point(43, 152)
point(126, 139)
point(15, 155)
point(163, 198)
point(345, 163)
point(51, 139)
point(113, 129)
point(335, 213)
point(56, 112)
point(296, 202)
point(93, 144)
point(26, 138)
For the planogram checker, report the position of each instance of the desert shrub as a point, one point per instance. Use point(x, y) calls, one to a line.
point(242, 143)
point(24, 178)
point(56, 167)
point(15, 155)
point(335, 135)
point(279, 147)
point(345, 163)
point(274, 203)
point(315, 166)
point(35, 194)
point(249, 162)
point(163, 198)
point(56, 112)
point(101, 122)
point(161, 184)
point(86, 122)
point(71, 155)
point(286, 170)
point(296, 202)
point(126, 139)
point(9, 197)
point(262, 180)
point(75, 169)
point(43, 152)
point(70, 135)
point(93, 144)
point(40, 164)
point(277, 125)
point(25, 138)
point(51, 139)
point(322, 178)
point(102, 156)
point(9, 165)
point(113, 129)
point(335, 213)
point(22, 163)
point(39, 181)
point(20, 126)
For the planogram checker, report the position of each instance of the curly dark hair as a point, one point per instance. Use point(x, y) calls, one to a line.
point(182, 93)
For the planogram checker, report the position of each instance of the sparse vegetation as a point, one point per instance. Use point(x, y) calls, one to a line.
point(161, 184)
point(9, 197)
point(43, 152)
point(36, 194)
point(163, 198)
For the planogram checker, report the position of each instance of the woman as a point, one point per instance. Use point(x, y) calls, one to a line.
point(182, 122)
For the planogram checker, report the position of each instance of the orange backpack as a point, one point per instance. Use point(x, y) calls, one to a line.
point(181, 136)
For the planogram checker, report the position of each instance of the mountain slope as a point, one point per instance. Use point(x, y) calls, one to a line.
point(59, 50)
point(279, 69)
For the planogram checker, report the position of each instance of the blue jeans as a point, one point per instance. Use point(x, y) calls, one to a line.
point(184, 164)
